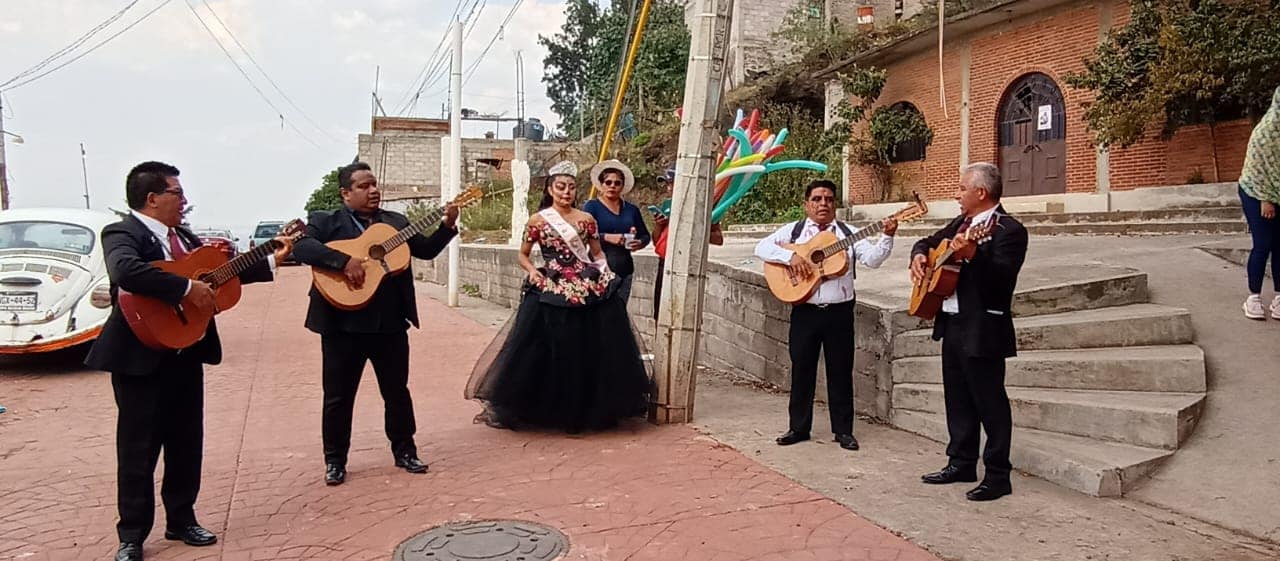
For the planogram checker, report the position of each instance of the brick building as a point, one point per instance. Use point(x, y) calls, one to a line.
point(1007, 102)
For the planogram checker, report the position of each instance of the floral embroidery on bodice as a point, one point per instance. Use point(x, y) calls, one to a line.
point(565, 274)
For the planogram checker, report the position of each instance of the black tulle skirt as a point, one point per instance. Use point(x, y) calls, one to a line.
point(573, 368)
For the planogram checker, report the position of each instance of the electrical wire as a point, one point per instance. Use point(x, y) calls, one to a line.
point(264, 73)
point(74, 44)
point(253, 85)
point(95, 47)
point(501, 27)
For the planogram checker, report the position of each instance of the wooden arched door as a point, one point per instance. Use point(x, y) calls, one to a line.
point(1033, 137)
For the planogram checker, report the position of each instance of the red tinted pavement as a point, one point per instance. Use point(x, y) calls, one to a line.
point(640, 493)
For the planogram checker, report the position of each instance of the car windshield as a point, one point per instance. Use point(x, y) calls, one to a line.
point(57, 236)
point(216, 234)
point(268, 230)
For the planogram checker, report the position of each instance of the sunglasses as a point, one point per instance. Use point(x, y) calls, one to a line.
point(612, 183)
point(821, 199)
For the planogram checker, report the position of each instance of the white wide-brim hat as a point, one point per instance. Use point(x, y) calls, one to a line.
point(628, 180)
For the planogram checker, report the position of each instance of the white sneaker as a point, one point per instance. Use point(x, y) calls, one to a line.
point(1275, 307)
point(1253, 307)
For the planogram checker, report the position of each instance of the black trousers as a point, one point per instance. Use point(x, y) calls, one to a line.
point(829, 330)
point(161, 411)
point(345, 355)
point(975, 397)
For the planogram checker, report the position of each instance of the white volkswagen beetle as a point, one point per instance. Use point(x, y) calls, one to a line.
point(54, 291)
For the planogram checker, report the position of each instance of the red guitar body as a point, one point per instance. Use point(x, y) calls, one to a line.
point(163, 326)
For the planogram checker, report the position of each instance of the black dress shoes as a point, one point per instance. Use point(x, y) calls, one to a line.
point(847, 441)
point(951, 474)
point(129, 551)
point(334, 474)
point(989, 491)
point(790, 438)
point(411, 464)
point(192, 535)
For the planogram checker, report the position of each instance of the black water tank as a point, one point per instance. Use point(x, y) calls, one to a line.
point(533, 130)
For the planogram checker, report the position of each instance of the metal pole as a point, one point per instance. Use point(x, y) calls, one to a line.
point(680, 317)
point(455, 154)
point(84, 168)
point(621, 92)
point(4, 168)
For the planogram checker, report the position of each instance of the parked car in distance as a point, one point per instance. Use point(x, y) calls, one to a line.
point(54, 290)
point(266, 230)
point(224, 240)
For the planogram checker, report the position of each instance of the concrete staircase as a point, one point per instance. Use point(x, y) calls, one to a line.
point(1200, 220)
point(1104, 387)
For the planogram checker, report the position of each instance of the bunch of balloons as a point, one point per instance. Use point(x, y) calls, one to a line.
point(747, 156)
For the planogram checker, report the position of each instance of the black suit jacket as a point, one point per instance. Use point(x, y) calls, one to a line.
point(985, 288)
point(394, 305)
point(130, 247)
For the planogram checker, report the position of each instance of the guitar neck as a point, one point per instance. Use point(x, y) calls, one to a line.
point(413, 229)
point(862, 234)
point(241, 263)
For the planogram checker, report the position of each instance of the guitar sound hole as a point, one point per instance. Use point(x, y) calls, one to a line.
point(376, 253)
point(816, 257)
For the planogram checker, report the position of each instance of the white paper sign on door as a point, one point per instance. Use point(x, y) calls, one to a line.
point(1045, 120)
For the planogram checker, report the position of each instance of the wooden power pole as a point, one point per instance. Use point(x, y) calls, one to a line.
point(680, 318)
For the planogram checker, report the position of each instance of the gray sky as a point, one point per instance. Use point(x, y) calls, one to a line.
point(164, 91)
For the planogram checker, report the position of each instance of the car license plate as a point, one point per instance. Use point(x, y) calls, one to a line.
point(17, 301)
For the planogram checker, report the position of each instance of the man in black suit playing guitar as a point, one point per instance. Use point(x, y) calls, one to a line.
point(160, 394)
point(377, 333)
point(976, 329)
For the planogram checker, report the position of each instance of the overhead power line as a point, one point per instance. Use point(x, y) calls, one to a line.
point(264, 73)
point(501, 27)
point(11, 85)
point(74, 44)
point(253, 85)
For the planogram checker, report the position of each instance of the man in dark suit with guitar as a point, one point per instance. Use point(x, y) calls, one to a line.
point(377, 333)
point(160, 394)
point(976, 329)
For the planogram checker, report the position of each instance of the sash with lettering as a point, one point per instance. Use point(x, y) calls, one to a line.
point(567, 233)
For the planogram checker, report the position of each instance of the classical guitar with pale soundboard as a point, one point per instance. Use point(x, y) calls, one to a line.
point(827, 254)
point(163, 326)
point(384, 253)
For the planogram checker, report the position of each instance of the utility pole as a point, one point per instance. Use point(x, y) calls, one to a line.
point(680, 318)
point(455, 155)
point(84, 168)
point(4, 169)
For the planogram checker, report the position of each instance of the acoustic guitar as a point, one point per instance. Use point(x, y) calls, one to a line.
point(827, 253)
point(163, 326)
point(941, 273)
point(382, 249)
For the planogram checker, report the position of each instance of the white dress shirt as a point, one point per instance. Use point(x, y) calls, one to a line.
point(831, 291)
point(161, 233)
point(952, 304)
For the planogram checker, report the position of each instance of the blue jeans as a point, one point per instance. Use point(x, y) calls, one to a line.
point(1266, 242)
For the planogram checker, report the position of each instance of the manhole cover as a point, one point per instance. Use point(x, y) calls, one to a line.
point(485, 540)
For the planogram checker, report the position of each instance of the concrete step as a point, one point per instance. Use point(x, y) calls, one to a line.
point(1119, 326)
point(1055, 289)
point(1148, 419)
point(1168, 368)
point(1093, 467)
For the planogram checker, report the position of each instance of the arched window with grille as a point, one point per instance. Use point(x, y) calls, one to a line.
point(912, 150)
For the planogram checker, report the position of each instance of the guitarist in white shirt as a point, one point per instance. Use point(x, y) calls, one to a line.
point(824, 323)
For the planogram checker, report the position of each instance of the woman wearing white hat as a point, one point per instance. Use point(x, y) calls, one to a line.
point(622, 228)
point(568, 359)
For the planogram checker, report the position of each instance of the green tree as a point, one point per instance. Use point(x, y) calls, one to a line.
point(1179, 63)
point(583, 62)
point(326, 197)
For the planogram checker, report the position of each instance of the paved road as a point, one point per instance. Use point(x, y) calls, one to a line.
point(639, 493)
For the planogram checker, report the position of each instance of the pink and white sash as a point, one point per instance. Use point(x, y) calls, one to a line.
point(567, 233)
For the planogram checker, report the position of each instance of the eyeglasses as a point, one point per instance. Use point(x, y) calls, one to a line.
point(612, 183)
point(822, 199)
point(177, 192)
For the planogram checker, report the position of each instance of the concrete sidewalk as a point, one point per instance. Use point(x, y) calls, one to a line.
point(639, 493)
point(1041, 521)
